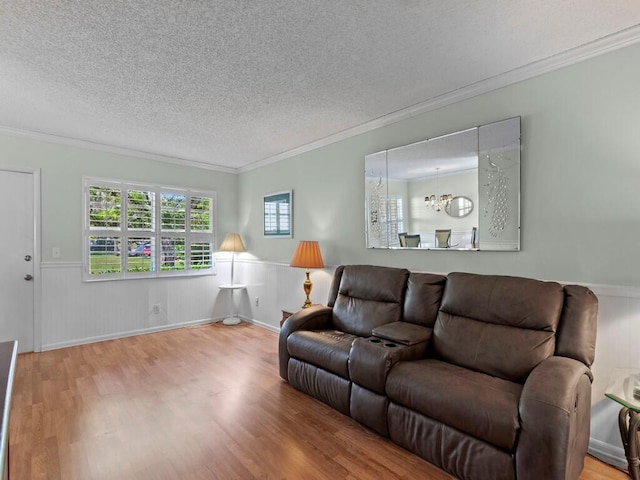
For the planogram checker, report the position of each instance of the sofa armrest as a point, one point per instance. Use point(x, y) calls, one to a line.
point(371, 359)
point(555, 415)
point(403, 332)
point(317, 317)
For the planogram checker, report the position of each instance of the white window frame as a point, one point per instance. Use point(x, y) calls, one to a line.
point(277, 200)
point(156, 233)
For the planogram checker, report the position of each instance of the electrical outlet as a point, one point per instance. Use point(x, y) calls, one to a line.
point(257, 301)
point(157, 308)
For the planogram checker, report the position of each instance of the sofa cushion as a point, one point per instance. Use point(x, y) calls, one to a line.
point(515, 301)
point(422, 301)
point(368, 296)
point(506, 352)
point(327, 349)
point(480, 405)
point(502, 326)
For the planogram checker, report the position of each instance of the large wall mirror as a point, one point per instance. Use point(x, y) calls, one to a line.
point(459, 191)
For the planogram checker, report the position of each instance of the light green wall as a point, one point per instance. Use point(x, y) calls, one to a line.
point(580, 180)
point(62, 168)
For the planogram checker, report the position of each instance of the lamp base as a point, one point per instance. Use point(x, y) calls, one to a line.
point(231, 321)
point(307, 286)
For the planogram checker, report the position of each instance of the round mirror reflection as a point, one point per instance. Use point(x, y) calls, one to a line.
point(459, 207)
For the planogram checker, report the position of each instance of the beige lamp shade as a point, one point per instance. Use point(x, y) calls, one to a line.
point(232, 243)
point(307, 255)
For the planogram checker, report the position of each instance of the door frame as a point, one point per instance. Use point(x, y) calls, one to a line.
point(37, 246)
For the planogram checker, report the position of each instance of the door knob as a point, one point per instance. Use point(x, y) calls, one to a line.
point(28, 277)
point(27, 258)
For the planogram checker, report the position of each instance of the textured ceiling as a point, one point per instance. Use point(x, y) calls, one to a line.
point(237, 83)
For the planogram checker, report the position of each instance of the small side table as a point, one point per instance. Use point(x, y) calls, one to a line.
point(286, 313)
point(233, 319)
point(629, 424)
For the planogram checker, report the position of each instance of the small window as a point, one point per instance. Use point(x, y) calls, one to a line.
point(278, 215)
point(200, 214)
point(104, 254)
point(141, 254)
point(140, 210)
point(141, 231)
point(105, 207)
point(172, 253)
point(201, 255)
point(173, 212)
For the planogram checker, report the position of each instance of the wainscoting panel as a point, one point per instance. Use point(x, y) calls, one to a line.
point(277, 286)
point(617, 349)
point(75, 312)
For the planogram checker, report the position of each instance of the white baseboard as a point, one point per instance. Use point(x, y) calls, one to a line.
point(611, 454)
point(131, 333)
point(261, 324)
point(142, 331)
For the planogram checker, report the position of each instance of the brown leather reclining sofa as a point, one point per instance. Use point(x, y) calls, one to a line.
point(487, 377)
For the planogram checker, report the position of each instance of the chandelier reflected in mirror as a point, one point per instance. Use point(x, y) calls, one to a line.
point(438, 202)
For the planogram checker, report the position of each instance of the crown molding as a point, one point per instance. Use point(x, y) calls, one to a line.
point(74, 142)
point(598, 47)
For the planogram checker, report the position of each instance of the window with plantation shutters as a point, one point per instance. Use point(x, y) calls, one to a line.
point(140, 231)
point(391, 219)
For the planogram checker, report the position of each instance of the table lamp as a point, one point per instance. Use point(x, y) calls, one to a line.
point(232, 243)
point(307, 255)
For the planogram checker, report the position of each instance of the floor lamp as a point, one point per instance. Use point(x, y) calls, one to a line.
point(307, 255)
point(232, 243)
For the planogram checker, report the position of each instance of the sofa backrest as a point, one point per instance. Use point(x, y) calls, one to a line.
point(499, 325)
point(576, 336)
point(365, 296)
point(423, 297)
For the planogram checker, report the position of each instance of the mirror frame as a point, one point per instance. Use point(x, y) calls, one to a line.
point(497, 147)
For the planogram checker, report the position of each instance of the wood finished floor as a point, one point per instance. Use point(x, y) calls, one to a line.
point(192, 403)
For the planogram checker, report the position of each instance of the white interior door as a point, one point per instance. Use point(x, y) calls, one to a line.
point(17, 252)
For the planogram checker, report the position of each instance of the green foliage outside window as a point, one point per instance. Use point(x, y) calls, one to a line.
point(140, 210)
point(173, 211)
point(200, 214)
point(105, 207)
